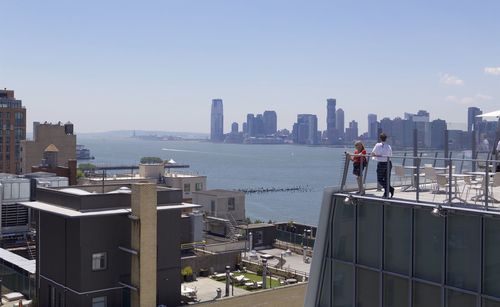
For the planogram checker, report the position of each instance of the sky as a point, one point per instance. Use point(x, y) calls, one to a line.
point(156, 65)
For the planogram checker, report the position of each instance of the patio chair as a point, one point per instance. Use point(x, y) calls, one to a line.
point(494, 184)
point(430, 176)
point(472, 185)
point(441, 182)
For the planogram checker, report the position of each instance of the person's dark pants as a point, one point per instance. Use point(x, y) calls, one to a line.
point(383, 178)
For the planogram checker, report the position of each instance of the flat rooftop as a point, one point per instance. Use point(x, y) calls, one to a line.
point(71, 213)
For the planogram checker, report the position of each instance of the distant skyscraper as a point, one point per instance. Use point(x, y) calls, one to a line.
point(13, 121)
point(306, 129)
point(234, 128)
point(270, 122)
point(372, 126)
point(250, 124)
point(331, 104)
point(340, 124)
point(259, 125)
point(438, 127)
point(217, 121)
point(472, 120)
point(351, 133)
point(331, 119)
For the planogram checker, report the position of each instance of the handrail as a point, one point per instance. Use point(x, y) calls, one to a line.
point(453, 195)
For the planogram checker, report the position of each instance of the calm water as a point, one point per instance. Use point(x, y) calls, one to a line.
point(236, 166)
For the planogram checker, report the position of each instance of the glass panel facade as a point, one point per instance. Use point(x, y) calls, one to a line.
point(367, 287)
point(369, 234)
point(491, 281)
point(428, 260)
point(326, 286)
point(395, 291)
point(342, 284)
point(397, 239)
point(490, 303)
point(343, 231)
point(425, 295)
point(383, 229)
point(459, 299)
point(463, 251)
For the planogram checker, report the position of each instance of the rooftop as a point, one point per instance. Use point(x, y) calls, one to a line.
point(71, 213)
point(220, 193)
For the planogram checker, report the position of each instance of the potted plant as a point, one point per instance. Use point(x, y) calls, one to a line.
point(187, 273)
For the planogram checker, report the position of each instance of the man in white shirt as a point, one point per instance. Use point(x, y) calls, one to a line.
point(380, 153)
point(498, 156)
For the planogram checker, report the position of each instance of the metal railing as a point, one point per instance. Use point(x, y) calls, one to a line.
point(457, 172)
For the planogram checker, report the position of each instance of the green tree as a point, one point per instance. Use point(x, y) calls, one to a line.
point(86, 166)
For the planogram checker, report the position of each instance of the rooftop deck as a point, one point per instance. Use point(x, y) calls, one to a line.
point(470, 184)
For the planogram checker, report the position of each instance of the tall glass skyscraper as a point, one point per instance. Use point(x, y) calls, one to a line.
point(217, 121)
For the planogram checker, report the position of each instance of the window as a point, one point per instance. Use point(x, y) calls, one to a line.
point(198, 186)
point(425, 295)
point(369, 240)
point(343, 231)
point(367, 285)
point(212, 207)
point(99, 261)
point(428, 245)
point(187, 188)
point(397, 239)
point(99, 301)
point(230, 204)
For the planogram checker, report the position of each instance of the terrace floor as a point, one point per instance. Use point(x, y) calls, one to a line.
point(463, 195)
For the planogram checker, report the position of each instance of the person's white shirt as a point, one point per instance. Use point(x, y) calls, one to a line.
point(498, 147)
point(381, 151)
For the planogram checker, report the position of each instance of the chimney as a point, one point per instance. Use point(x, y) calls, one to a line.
point(72, 172)
point(144, 241)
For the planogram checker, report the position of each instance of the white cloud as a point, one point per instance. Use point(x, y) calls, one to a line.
point(450, 80)
point(468, 100)
point(492, 70)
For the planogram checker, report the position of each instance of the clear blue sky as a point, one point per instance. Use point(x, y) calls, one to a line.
point(107, 65)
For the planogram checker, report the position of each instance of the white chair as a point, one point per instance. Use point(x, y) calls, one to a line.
point(441, 182)
point(494, 184)
point(430, 176)
point(399, 171)
point(472, 185)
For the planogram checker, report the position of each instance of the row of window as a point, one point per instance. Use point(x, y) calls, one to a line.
point(231, 205)
point(197, 187)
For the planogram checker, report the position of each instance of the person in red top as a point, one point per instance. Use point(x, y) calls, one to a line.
point(359, 163)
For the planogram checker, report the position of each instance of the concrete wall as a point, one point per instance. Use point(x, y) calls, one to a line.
point(180, 180)
point(211, 262)
point(221, 204)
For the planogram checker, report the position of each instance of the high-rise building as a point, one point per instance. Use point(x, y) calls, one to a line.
point(372, 126)
point(250, 124)
point(13, 123)
point(386, 127)
point(340, 124)
point(472, 119)
point(234, 127)
point(351, 133)
point(258, 125)
point(438, 128)
point(217, 121)
point(305, 131)
point(270, 122)
point(331, 119)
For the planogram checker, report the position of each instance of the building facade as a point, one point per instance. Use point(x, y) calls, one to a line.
point(222, 204)
point(379, 252)
point(89, 239)
point(331, 118)
point(340, 123)
point(59, 135)
point(12, 131)
point(270, 122)
point(188, 183)
point(217, 121)
point(472, 119)
point(372, 126)
point(305, 131)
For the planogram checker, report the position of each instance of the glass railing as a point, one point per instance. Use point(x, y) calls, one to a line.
point(425, 178)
